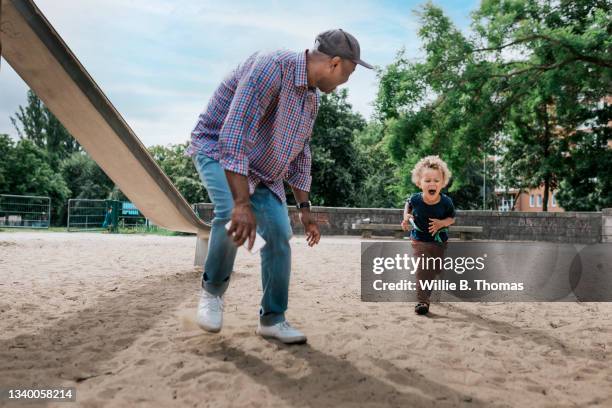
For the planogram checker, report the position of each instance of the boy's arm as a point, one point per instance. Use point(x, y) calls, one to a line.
point(407, 216)
point(407, 210)
point(435, 224)
point(448, 221)
point(445, 222)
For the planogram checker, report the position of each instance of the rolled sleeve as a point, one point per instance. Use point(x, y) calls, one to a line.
point(299, 170)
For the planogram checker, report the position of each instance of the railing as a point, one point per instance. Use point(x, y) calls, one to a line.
point(19, 211)
point(91, 215)
point(86, 214)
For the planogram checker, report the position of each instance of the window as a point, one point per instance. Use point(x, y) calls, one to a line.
point(531, 201)
point(504, 205)
point(539, 200)
point(553, 201)
point(507, 204)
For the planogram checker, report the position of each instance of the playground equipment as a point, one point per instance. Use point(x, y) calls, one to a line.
point(91, 215)
point(86, 215)
point(38, 54)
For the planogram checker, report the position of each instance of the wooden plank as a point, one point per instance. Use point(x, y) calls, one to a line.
point(398, 227)
point(41, 58)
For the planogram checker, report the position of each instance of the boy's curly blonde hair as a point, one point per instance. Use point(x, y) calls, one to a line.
point(431, 162)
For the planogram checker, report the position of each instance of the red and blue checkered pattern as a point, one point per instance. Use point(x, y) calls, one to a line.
point(259, 121)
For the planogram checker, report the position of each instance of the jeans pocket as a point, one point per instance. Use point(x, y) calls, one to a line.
point(200, 160)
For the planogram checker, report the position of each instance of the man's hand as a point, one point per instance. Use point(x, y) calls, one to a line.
point(243, 225)
point(435, 224)
point(313, 235)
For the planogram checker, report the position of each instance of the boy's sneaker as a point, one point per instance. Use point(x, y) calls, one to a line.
point(210, 312)
point(283, 332)
point(421, 308)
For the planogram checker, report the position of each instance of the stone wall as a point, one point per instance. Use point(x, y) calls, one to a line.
point(570, 227)
point(606, 225)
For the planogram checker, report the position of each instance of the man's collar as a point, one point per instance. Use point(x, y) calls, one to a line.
point(301, 76)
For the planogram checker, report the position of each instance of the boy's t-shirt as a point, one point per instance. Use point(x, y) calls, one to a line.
point(422, 212)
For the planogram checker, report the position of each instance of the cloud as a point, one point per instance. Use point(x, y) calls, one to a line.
point(14, 94)
point(162, 125)
point(159, 61)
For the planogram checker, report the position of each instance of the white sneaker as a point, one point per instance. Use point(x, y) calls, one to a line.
point(282, 331)
point(210, 312)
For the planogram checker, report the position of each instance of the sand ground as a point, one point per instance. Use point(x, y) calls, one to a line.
point(112, 315)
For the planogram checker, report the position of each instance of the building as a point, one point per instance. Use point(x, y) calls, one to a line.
point(529, 200)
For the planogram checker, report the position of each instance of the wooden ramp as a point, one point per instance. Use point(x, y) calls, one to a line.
point(41, 58)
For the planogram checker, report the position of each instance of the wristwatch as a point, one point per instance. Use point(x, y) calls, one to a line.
point(305, 204)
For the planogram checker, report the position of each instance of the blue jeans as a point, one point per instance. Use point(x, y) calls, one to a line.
point(272, 224)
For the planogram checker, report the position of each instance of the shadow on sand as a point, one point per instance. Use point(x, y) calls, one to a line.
point(331, 380)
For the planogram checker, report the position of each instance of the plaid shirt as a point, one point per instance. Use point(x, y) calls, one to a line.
point(259, 121)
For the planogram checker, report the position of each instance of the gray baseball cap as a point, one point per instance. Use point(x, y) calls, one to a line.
point(340, 43)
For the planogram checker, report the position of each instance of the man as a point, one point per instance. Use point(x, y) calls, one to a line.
point(254, 135)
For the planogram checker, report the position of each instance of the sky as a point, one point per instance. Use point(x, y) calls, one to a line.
point(160, 61)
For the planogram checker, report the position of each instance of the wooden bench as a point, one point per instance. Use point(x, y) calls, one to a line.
point(465, 232)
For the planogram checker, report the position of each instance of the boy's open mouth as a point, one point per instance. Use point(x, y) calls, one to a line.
point(431, 192)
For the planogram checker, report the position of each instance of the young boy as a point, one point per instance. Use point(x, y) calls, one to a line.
point(429, 213)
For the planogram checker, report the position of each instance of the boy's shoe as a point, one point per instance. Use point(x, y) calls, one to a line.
point(283, 332)
point(210, 312)
point(421, 308)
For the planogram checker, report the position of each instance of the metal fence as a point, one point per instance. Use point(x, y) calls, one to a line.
point(91, 215)
point(17, 211)
point(86, 215)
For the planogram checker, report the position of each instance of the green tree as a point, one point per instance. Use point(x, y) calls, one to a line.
point(530, 68)
point(31, 174)
point(533, 153)
point(587, 184)
point(180, 169)
point(85, 178)
point(32, 120)
point(6, 147)
point(380, 186)
point(554, 86)
point(428, 107)
point(337, 166)
point(37, 123)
